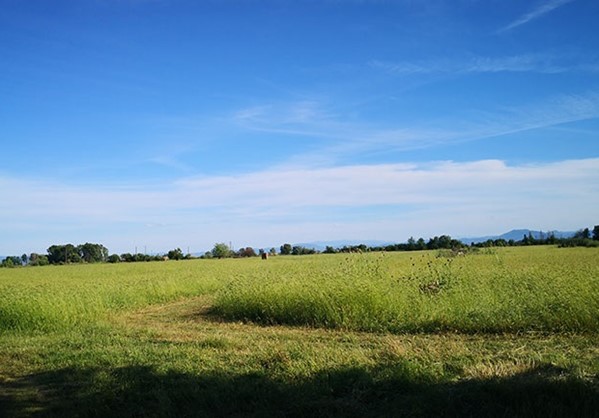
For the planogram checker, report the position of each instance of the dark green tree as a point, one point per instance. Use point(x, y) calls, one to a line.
point(113, 258)
point(175, 254)
point(286, 249)
point(127, 257)
point(93, 253)
point(62, 254)
point(247, 252)
point(12, 261)
point(36, 259)
point(299, 250)
point(411, 244)
point(329, 250)
point(596, 233)
point(7, 262)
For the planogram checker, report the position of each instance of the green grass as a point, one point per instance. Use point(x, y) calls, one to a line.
point(513, 290)
point(155, 340)
point(58, 297)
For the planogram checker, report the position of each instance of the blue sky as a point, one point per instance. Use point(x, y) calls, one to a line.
point(175, 123)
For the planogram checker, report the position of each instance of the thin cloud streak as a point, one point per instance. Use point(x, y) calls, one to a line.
point(543, 9)
point(529, 63)
point(341, 139)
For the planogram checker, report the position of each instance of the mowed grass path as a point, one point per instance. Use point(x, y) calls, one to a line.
point(159, 343)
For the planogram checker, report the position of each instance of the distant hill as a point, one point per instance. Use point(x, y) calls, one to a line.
point(518, 234)
point(515, 234)
point(321, 245)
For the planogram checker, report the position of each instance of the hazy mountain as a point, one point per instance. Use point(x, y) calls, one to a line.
point(515, 234)
point(321, 245)
point(518, 234)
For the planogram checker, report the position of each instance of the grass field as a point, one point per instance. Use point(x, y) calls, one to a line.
point(506, 332)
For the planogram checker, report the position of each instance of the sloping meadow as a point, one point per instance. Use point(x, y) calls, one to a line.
point(499, 290)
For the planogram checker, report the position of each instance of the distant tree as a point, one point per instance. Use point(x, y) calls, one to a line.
point(596, 233)
point(61, 254)
point(411, 244)
point(127, 257)
point(141, 257)
point(12, 261)
point(272, 251)
point(113, 258)
point(247, 252)
point(299, 250)
point(36, 259)
point(551, 239)
point(286, 249)
point(221, 250)
point(7, 262)
point(433, 243)
point(175, 254)
point(92, 253)
point(24, 259)
point(582, 234)
point(33, 257)
point(329, 250)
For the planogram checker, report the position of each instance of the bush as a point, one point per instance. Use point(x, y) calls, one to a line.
point(114, 258)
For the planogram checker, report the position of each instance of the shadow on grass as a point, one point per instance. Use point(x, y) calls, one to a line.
point(386, 390)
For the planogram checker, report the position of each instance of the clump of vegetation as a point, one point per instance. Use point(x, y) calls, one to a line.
point(439, 276)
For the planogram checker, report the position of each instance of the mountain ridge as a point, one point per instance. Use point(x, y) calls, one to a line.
point(514, 234)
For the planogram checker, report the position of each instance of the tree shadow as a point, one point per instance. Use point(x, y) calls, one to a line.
point(387, 390)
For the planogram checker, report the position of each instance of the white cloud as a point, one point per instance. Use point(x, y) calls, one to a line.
point(391, 201)
point(539, 11)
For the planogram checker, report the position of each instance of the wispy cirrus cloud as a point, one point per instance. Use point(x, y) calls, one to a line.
point(534, 63)
point(337, 136)
point(539, 11)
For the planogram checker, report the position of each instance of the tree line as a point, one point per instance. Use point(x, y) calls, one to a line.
point(97, 253)
point(84, 253)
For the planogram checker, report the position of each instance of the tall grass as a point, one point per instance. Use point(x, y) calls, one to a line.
point(508, 290)
point(511, 289)
point(54, 297)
